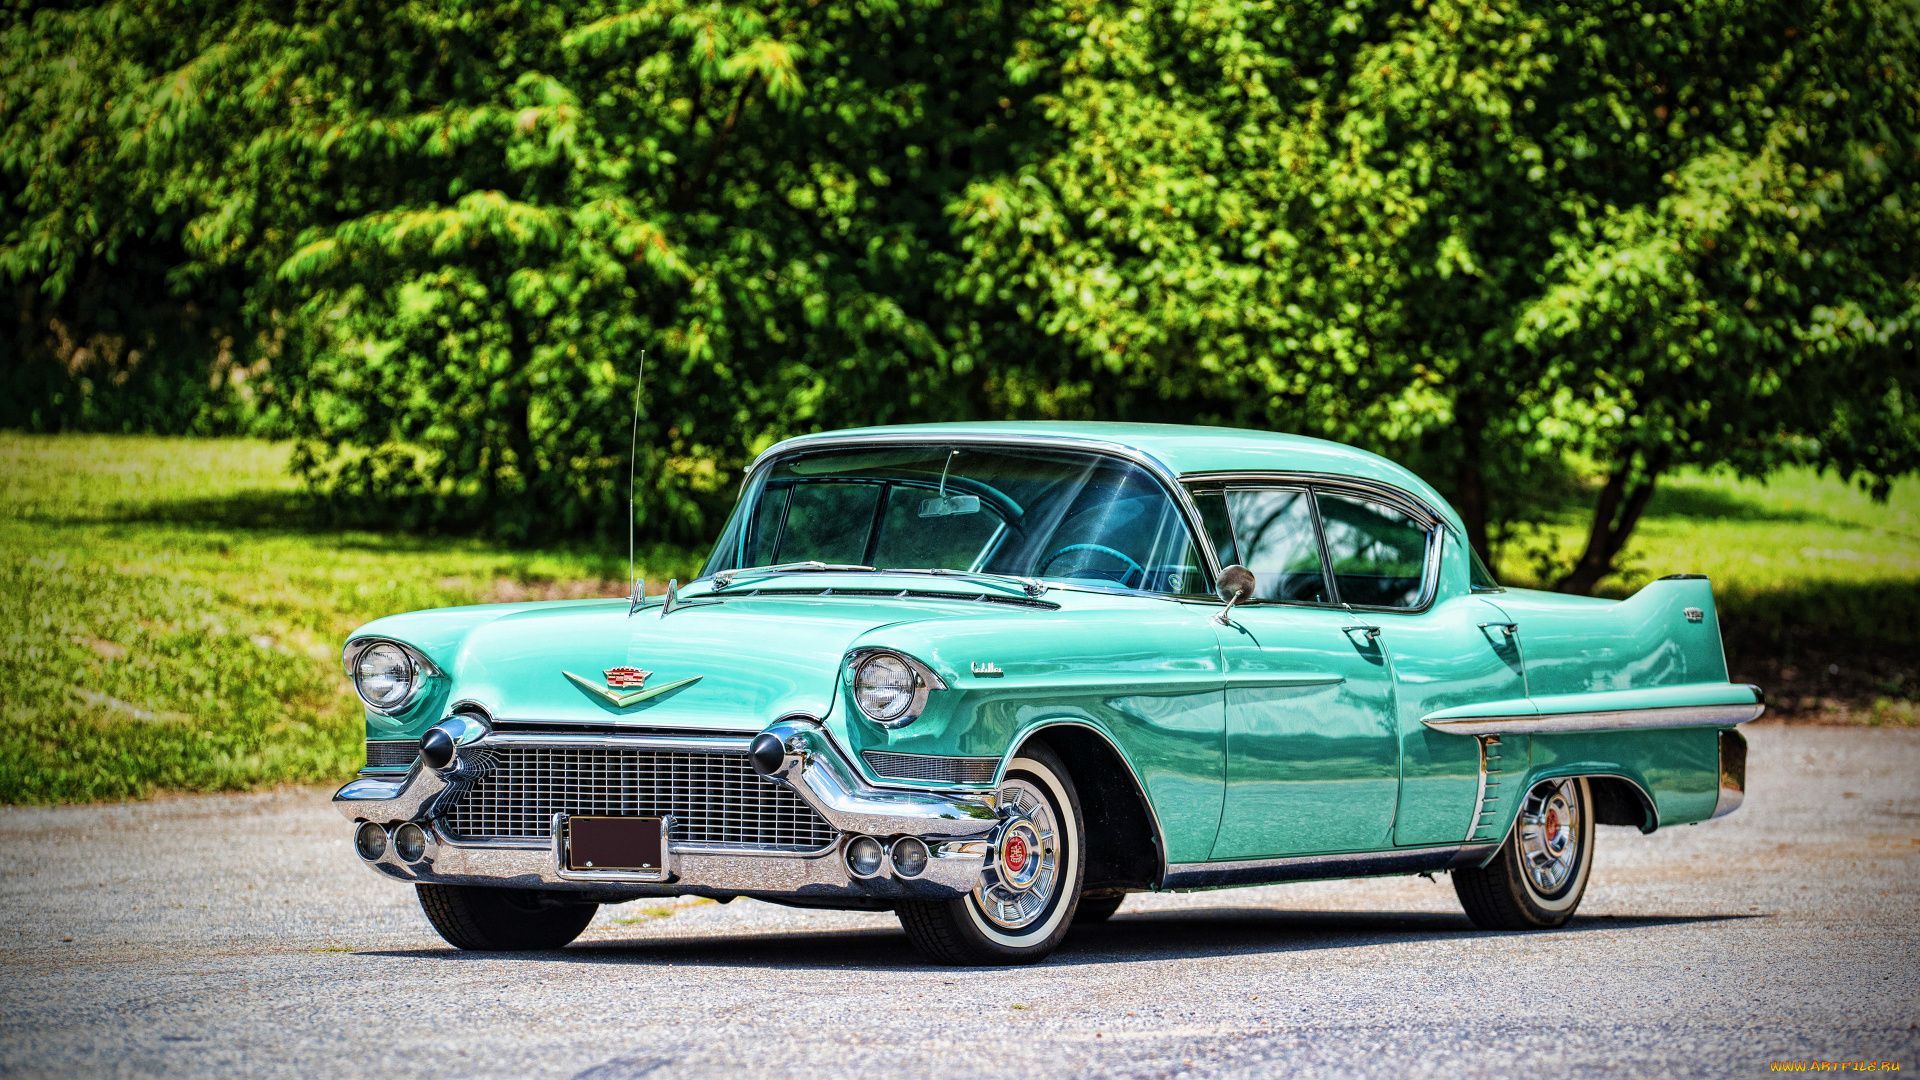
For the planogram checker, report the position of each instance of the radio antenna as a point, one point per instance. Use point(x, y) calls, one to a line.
point(633, 452)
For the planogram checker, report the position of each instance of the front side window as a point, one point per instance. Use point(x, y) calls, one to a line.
point(1378, 553)
point(1058, 515)
point(1310, 546)
point(1273, 531)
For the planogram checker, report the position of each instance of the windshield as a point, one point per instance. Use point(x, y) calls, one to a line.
point(1057, 515)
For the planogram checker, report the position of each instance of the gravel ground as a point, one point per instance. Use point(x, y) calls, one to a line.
point(238, 936)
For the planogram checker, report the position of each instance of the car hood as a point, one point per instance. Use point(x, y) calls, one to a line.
point(756, 659)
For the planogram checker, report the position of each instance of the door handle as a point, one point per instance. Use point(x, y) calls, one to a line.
point(1509, 628)
point(1372, 632)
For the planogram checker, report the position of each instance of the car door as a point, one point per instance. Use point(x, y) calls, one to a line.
point(1312, 748)
point(1463, 650)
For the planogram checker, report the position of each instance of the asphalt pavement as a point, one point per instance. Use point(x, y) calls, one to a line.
point(237, 935)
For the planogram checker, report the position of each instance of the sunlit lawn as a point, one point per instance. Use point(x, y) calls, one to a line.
point(172, 619)
point(1818, 585)
point(169, 620)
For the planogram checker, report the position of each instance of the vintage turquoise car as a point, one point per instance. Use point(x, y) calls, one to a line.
point(994, 677)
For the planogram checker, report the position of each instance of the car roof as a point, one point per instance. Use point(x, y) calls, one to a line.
point(1182, 449)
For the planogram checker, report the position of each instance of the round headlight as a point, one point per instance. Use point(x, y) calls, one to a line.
point(883, 687)
point(370, 841)
point(384, 675)
point(864, 855)
point(410, 842)
point(909, 856)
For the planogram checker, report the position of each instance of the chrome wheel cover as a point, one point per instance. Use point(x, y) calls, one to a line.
point(1549, 837)
point(1024, 869)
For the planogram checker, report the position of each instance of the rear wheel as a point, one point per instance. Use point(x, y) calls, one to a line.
point(1026, 899)
point(503, 920)
point(1540, 874)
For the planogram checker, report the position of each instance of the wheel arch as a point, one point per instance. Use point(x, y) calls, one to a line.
point(1125, 846)
point(1618, 799)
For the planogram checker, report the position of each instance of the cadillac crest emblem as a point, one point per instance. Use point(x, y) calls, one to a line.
point(625, 686)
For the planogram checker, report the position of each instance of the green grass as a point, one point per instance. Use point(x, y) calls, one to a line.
point(168, 620)
point(1818, 586)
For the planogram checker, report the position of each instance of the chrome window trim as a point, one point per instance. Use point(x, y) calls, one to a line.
point(423, 667)
point(1314, 483)
point(1168, 479)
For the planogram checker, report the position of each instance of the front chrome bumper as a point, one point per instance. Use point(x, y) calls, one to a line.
point(957, 827)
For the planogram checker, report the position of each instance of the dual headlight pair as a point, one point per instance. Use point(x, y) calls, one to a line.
point(890, 688)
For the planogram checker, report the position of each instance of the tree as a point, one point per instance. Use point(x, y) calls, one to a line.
point(1489, 238)
point(1484, 236)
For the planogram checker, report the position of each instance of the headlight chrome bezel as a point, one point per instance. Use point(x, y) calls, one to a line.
point(423, 670)
point(925, 681)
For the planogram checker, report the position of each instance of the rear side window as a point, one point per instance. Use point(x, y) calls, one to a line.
point(1273, 531)
point(1378, 553)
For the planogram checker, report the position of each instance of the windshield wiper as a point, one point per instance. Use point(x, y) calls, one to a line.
point(725, 577)
point(1033, 587)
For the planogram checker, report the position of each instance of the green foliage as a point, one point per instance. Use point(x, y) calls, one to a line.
point(1485, 236)
point(432, 239)
point(168, 620)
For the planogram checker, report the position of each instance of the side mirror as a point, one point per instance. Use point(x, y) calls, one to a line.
point(1236, 585)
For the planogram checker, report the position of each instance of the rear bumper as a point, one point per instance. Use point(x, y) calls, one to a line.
point(957, 827)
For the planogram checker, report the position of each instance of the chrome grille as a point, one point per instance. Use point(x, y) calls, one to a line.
point(946, 770)
point(714, 798)
point(390, 752)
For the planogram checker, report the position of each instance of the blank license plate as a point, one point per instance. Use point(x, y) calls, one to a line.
point(615, 843)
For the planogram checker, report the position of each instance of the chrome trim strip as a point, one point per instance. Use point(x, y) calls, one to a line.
point(950, 874)
point(718, 743)
point(1257, 679)
point(1487, 742)
point(1219, 875)
point(1614, 720)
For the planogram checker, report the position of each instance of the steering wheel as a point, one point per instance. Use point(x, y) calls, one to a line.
point(1103, 549)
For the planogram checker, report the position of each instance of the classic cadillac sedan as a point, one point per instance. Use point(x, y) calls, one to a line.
point(994, 677)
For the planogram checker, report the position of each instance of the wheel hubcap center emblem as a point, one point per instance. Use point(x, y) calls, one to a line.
point(1016, 853)
point(1553, 826)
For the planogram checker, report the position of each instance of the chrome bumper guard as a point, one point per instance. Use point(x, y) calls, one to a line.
point(957, 828)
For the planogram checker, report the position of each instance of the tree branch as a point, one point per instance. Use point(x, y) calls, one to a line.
point(691, 187)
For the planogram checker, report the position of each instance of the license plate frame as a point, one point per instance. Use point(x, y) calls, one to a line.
point(607, 846)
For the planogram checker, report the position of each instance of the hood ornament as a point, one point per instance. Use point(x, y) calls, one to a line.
point(618, 678)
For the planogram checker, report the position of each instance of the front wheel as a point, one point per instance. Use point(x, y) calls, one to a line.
point(1540, 874)
point(1025, 901)
point(502, 920)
